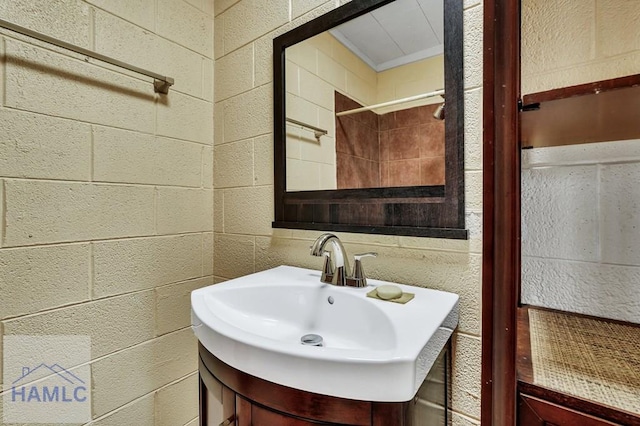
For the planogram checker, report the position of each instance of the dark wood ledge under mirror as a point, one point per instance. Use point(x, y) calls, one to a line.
point(364, 141)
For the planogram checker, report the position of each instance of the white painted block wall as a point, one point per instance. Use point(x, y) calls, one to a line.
point(106, 194)
point(581, 229)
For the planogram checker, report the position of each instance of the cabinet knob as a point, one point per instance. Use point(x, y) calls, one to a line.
point(229, 421)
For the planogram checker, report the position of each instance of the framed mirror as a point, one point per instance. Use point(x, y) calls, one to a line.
point(364, 141)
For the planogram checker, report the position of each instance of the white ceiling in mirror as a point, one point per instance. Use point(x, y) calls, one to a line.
point(399, 33)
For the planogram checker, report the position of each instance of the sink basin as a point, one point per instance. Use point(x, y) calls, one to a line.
point(371, 349)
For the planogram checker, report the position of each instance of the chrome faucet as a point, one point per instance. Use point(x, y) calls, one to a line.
point(336, 263)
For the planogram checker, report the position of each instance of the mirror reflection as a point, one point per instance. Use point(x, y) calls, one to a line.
point(364, 102)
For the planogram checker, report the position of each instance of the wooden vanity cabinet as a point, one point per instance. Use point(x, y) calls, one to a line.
point(263, 417)
point(239, 399)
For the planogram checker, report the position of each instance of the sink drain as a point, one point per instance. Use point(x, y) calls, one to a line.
point(311, 340)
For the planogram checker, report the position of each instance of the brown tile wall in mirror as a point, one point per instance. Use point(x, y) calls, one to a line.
point(357, 146)
point(400, 148)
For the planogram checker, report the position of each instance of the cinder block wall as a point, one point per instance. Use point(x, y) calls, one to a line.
point(568, 42)
point(106, 194)
point(243, 190)
point(580, 203)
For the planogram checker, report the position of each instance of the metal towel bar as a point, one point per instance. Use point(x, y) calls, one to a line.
point(161, 83)
point(317, 132)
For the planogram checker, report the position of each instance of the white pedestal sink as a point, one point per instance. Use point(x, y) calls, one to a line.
point(373, 350)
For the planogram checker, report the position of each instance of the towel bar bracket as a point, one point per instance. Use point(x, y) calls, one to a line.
point(162, 86)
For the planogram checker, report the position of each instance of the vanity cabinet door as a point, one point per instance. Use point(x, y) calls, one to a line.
point(264, 417)
point(217, 402)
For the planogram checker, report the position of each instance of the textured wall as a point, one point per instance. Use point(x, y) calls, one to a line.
point(106, 194)
point(580, 203)
point(580, 233)
point(568, 42)
point(244, 241)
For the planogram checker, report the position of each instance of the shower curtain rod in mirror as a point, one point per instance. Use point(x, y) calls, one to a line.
point(394, 102)
point(161, 83)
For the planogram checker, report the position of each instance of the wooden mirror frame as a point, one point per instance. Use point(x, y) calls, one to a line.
point(426, 211)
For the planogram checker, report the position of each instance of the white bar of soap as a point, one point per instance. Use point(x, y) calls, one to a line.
point(388, 292)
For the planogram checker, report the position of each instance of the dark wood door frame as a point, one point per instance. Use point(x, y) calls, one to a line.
point(501, 210)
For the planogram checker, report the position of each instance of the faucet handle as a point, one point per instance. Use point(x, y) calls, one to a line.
point(359, 256)
point(359, 277)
